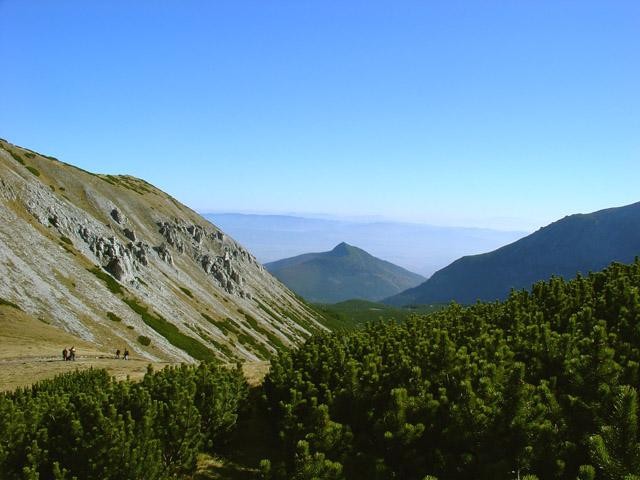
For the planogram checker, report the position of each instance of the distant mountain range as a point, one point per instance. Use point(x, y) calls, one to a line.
point(419, 248)
point(577, 243)
point(346, 272)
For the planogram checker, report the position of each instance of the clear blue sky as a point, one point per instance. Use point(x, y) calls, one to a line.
point(500, 114)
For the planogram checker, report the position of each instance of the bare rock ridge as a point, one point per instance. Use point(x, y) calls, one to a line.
point(112, 259)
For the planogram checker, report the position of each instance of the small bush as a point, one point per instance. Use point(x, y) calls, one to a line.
point(255, 346)
point(34, 170)
point(252, 321)
point(113, 317)
point(142, 340)
point(130, 327)
point(88, 425)
point(67, 247)
point(30, 155)
point(66, 240)
point(187, 291)
point(16, 157)
point(111, 282)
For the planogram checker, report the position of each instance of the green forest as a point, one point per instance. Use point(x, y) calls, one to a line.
point(542, 385)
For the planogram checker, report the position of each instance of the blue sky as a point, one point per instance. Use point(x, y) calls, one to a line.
point(482, 113)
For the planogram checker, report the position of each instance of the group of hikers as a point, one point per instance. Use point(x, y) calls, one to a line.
point(69, 354)
point(125, 355)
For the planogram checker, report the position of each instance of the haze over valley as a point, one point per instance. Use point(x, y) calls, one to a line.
point(420, 248)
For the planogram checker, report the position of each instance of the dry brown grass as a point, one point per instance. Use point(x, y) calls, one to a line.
point(219, 468)
point(31, 350)
point(255, 372)
point(22, 373)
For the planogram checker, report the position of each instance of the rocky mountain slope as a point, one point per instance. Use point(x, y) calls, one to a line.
point(576, 243)
point(346, 272)
point(118, 263)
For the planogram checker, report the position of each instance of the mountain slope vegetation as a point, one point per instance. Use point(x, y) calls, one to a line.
point(577, 243)
point(542, 385)
point(346, 272)
point(356, 313)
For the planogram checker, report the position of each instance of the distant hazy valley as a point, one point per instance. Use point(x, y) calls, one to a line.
point(579, 243)
point(419, 248)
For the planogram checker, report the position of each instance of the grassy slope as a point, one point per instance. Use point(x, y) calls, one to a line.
point(354, 313)
point(32, 351)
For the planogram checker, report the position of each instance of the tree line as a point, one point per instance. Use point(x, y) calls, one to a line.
point(543, 385)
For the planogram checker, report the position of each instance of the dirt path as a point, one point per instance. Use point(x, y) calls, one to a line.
point(31, 350)
point(24, 371)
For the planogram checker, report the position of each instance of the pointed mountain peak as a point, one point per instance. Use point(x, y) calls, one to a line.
point(344, 248)
point(342, 273)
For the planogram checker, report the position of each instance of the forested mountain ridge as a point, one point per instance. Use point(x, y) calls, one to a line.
point(118, 263)
point(576, 243)
point(542, 385)
point(344, 273)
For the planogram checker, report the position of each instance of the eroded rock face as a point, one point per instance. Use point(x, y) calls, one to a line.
point(218, 257)
point(140, 251)
point(172, 235)
point(130, 234)
point(119, 259)
point(117, 215)
point(164, 254)
point(207, 247)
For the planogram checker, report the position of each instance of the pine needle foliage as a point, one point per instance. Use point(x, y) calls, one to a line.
point(85, 425)
point(540, 385)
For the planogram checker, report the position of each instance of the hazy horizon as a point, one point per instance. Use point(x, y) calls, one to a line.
point(372, 218)
point(418, 247)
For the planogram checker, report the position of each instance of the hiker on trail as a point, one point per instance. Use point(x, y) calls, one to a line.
point(72, 353)
point(126, 354)
point(117, 354)
point(64, 354)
